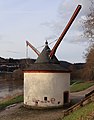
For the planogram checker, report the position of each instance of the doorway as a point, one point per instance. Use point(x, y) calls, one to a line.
point(66, 97)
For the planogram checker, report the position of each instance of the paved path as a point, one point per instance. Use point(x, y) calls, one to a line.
point(17, 112)
point(80, 95)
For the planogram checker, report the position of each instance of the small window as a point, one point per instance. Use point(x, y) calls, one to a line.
point(45, 98)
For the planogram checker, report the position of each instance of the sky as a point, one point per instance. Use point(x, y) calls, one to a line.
point(38, 21)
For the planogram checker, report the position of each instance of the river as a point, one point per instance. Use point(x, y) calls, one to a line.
point(10, 87)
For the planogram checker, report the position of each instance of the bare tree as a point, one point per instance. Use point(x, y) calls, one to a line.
point(89, 23)
point(88, 72)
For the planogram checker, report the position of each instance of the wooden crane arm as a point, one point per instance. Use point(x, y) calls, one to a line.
point(65, 31)
point(33, 48)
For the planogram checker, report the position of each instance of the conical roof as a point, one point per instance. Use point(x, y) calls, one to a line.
point(44, 56)
point(45, 63)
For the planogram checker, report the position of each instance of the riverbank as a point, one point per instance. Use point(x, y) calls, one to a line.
point(10, 100)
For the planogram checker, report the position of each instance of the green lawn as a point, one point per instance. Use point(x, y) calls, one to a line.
point(79, 86)
point(82, 113)
point(17, 99)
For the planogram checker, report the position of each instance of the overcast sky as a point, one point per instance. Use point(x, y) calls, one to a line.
point(38, 21)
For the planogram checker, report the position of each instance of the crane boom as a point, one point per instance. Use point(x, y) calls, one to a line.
point(33, 48)
point(65, 31)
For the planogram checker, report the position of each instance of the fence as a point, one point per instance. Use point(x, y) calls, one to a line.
point(79, 105)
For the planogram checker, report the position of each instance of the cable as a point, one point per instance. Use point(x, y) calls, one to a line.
point(48, 44)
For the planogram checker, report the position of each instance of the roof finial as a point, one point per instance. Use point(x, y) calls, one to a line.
point(46, 43)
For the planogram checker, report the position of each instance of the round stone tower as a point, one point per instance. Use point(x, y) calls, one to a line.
point(46, 82)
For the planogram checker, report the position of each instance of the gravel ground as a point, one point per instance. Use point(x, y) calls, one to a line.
point(18, 112)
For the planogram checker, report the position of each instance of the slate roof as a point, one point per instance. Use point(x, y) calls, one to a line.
point(44, 56)
point(43, 62)
point(47, 66)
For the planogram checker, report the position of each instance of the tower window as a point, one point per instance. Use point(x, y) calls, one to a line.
point(45, 98)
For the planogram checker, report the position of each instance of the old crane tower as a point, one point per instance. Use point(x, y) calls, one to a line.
point(46, 82)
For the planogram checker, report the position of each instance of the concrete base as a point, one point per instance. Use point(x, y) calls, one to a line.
point(48, 107)
point(42, 108)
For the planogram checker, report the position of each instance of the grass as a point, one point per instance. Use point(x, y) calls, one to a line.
point(15, 100)
point(75, 81)
point(82, 113)
point(80, 86)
